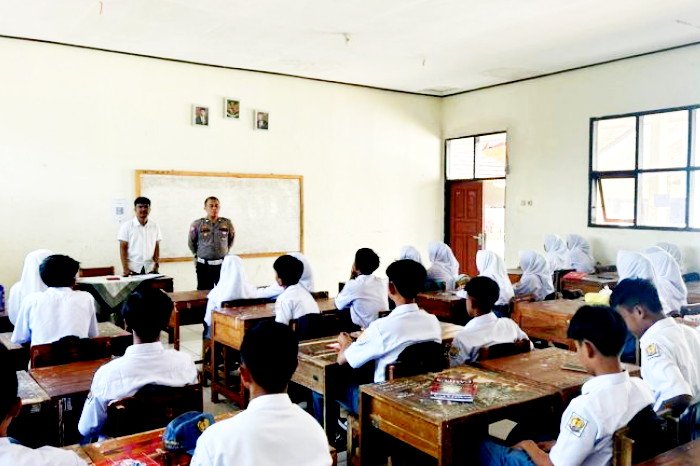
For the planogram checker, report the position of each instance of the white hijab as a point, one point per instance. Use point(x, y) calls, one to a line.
point(489, 264)
point(675, 252)
point(631, 264)
point(556, 253)
point(233, 284)
point(306, 280)
point(444, 266)
point(409, 252)
point(670, 279)
point(580, 254)
point(30, 282)
point(537, 277)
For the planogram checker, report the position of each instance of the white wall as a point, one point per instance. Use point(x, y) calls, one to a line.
point(547, 121)
point(76, 124)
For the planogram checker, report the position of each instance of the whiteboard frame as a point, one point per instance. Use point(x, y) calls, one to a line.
point(137, 183)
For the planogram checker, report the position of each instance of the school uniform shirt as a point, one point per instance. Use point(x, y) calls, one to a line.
point(272, 431)
point(142, 241)
point(386, 337)
point(670, 360)
point(481, 331)
point(142, 364)
point(366, 296)
point(29, 283)
point(607, 402)
point(294, 302)
point(48, 316)
point(306, 280)
point(18, 455)
point(233, 284)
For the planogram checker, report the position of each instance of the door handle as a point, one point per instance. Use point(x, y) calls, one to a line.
point(481, 239)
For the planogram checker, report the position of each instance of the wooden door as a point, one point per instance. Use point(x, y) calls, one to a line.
point(466, 223)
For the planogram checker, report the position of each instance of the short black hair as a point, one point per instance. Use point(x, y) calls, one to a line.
point(366, 261)
point(269, 351)
point(146, 312)
point(8, 387)
point(58, 271)
point(142, 200)
point(484, 291)
point(289, 269)
point(633, 291)
point(601, 326)
point(211, 198)
point(408, 277)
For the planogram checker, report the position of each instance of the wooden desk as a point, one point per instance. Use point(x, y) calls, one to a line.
point(547, 320)
point(5, 324)
point(591, 283)
point(110, 294)
point(683, 455)
point(403, 409)
point(189, 308)
point(36, 411)
point(693, 292)
point(444, 305)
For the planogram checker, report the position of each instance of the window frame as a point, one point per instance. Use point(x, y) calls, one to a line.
point(594, 176)
point(474, 177)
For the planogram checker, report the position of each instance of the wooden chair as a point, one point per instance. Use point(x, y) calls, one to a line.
point(557, 277)
point(246, 302)
point(96, 271)
point(645, 436)
point(690, 310)
point(69, 349)
point(319, 294)
point(312, 326)
point(419, 358)
point(502, 350)
point(152, 407)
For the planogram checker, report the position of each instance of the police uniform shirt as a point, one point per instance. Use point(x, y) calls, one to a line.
point(48, 316)
point(670, 360)
point(607, 402)
point(142, 241)
point(211, 240)
point(142, 364)
point(484, 330)
point(272, 431)
point(18, 455)
point(366, 296)
point(294, 302)
point(386, 337)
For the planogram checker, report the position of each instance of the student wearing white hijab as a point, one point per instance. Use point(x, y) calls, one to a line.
point(670, 280)
point(675, 252)
point(444, 266)
point(556, 253)
point(30, 282)
point(409, 252)
point(631, 264)
point(233, 284)
point(489, 264)
point(580, 255)
point(306, 280)
point(536, 279)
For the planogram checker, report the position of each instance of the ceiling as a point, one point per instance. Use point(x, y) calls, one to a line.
point(436, 47)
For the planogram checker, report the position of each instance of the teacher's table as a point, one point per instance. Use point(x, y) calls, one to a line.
point(547, 320)
point(590, 283)
point(188, 308)
point(444, 305)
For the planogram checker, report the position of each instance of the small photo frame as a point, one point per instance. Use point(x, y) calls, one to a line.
point(200, 115)
point(262, 120)
point(232, 108)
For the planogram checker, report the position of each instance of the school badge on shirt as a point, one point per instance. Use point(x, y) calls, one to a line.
point(577, 424)
point(652, 350)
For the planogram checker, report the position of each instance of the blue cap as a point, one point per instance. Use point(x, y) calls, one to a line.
point(183, 431)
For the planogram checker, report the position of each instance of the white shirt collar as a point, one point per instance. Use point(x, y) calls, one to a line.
point(659, 326)
point(136, 222)
point(481, 321)
point(275, 401)
point(144, 348)
point(404, 309)
point(602, 382)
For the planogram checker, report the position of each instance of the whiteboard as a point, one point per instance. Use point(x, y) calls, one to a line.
point(266, 210)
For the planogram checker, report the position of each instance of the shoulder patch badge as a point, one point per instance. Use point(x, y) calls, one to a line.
point(203, 424)
point(577, 424)
point(651, 350)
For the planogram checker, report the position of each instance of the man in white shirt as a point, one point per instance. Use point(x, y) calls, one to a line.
point(484, 328)
point(146, 362)
point(48, 316)
point(670, 352)
point(272, 431)
point(139, 241)
point(364, 294)
point(295, 301)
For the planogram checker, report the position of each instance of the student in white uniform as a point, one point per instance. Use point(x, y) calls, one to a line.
point(556, 253)
point(139, 241)
point(580, 255)
point(233, 284)
point(670, 351)
point(489, 264)
point(364, 294)
point(272, 430)
point(632, 264)
point(295, 301)
point(50, 315)
point(607, 402)
point(145, 362)
point(484, 328)
point(675, 252)
point(11, 452)
point(443, 264)
point(536, 279)
point(409, 252)
point(29, 283)
point(669, 278)
point(306, 280)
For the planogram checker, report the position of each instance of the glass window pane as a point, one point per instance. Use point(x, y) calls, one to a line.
point(614, 145)
point(661, 201)
point(460, 159)
point(614, 201)
point(664, 140)
point(696, 137)
point(491, 156)
point(695, 199)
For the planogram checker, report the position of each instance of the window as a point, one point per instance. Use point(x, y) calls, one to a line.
point(476, 157)
point(645, 170)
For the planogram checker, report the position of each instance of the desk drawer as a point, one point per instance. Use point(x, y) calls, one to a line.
point(228, 331)
point(311, 377)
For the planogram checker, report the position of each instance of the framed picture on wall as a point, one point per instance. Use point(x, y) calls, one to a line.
point(200, 115)
point(232, 108)
point(262, 120)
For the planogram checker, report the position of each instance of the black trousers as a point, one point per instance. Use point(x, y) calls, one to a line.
point(207, 275)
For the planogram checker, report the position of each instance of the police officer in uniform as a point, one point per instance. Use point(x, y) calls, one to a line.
point(209, 240)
